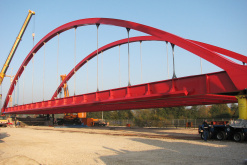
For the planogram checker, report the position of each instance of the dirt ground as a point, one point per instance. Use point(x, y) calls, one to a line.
point(114, 146)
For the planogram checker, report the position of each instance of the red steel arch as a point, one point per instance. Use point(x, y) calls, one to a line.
point(236, 72)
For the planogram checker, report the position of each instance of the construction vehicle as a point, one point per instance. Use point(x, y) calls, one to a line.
point(99, 122)
point(93, 122)
point(70, 118)
point(65, 86)
point(77, 118)
point(14, 47)
point(236, 130)
point(3, 121)
point(221, 130)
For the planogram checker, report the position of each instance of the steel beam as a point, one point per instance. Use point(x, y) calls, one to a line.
point(186, 91)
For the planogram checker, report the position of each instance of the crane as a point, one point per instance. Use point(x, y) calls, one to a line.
point(14, 47)
point(70, 116)
point(65, 86)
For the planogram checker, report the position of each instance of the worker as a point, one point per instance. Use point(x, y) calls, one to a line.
point(18, 124)
point(205, 128)
point(15, 121)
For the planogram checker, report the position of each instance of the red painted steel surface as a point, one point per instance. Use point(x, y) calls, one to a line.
point(68, 106)
point(190, 90)
point(236, 73)
point(223, 51)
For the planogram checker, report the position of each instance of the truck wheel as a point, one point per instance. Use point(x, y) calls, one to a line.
point(238, 137)
point(202, 135)
point(209, 135)
point(221, 135)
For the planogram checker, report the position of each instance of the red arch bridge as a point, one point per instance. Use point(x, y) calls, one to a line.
point(212, 88)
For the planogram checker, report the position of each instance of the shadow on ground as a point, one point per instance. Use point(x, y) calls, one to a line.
point(173, 152)
point(3, 135)
point(158, 133)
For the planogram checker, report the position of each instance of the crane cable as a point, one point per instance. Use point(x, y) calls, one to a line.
point(32, 75)
point(33, 34)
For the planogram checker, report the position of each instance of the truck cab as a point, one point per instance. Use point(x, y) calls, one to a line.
point(3, 121)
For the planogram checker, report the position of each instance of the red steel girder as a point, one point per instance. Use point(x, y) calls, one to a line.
point(177, 92)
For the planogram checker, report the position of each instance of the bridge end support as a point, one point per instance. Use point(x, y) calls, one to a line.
point(242, 106)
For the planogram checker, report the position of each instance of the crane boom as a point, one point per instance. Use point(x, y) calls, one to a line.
point(14, 47)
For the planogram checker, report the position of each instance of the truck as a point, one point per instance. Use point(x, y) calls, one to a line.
point(237, 130)
point(69, 118)
point(99, 122)
point(233, 130)
point(3, 121)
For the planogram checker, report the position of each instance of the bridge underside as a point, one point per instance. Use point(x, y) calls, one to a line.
point(213, 88)
point(127, 104)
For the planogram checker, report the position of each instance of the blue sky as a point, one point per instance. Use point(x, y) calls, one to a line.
point(218, 22)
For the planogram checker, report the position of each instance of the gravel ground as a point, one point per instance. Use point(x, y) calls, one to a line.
point(114, 146)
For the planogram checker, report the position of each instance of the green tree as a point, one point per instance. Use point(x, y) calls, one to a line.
point(141, 117)
point(180, 112)
point(220, 111)
point(234, 110)
point(203, 112)
point(96, 115)
point(125, 114)
point(191, 113)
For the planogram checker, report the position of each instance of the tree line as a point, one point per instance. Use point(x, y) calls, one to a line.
point(159, 114)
